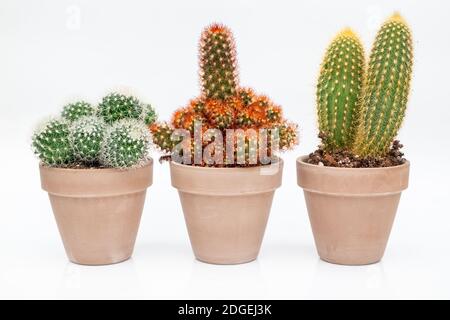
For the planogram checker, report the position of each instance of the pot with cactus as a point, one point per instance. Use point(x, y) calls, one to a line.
point(94, 164)
point(353, 182)
point(222, 149)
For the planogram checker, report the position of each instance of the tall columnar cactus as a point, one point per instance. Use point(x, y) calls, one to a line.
point(339, 89)
point(116, 106)
point(51, 143)
point(126, 144)
point(76, 110)
point(223, 104)
point(218, 73)
point(86, 136)
point(386, 94)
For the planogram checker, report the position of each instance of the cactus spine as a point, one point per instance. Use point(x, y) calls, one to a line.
point(339, 89)
point(388, 82)
point(218, 73)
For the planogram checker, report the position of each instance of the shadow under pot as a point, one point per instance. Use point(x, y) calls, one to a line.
point(97, 211)
point(351, 210)
point(226, 209)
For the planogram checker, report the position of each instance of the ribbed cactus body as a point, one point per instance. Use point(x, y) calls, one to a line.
point(117, 106)
point(148, 115)
point(86, 136)
point(386, 94)
point(76, 110)
point(339, 90)
point(51, 143)
point(125, 144)
point(388, 82)
point(218, 73)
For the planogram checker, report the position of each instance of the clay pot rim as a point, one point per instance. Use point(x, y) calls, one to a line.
point(99, 182)
point(228, 169)
point(302, 161)
point(147, 163)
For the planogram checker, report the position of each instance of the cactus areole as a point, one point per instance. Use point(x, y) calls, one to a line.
point(227, 125)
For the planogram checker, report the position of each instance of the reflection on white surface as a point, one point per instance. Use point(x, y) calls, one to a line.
point(241, 281)
point(118, 280)
point(337, 281)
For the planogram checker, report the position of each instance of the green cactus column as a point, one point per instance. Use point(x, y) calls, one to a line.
point(339, 89)
point(218, 73)
point(386, 94)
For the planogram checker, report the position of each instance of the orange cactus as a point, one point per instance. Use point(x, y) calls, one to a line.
point(224, 105)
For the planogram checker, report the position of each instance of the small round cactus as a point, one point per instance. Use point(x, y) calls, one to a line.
point(51, 143)
point(76, 110)
point(117, 106)
point(148, 114)
point(86, 136)
point(126, 144)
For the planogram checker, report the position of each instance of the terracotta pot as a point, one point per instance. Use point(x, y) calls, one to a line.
point(97, 210)
point(351, 210)
point(226, 209)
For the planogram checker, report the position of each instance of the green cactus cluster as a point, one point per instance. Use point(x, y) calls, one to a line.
point(51, 143)
point(81, 136)
point(360, 109)
point(76, 110)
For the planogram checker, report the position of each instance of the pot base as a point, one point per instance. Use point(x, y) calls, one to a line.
point(226, 262)
point(107, 263)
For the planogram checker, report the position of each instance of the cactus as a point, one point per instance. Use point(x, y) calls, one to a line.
point(388, 81)
point(74, 111)
point(218, 73)
point(125, 144)
point(161, 136)
point(51, 143)
point(117, 106)
point(360, 110)
point(223, 104)
point(148, 114)
point(86, 136)
point(339, 89)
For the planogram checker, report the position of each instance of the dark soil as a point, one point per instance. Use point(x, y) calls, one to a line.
point(345, 159)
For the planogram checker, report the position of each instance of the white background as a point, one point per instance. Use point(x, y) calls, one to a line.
point(52, 52)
